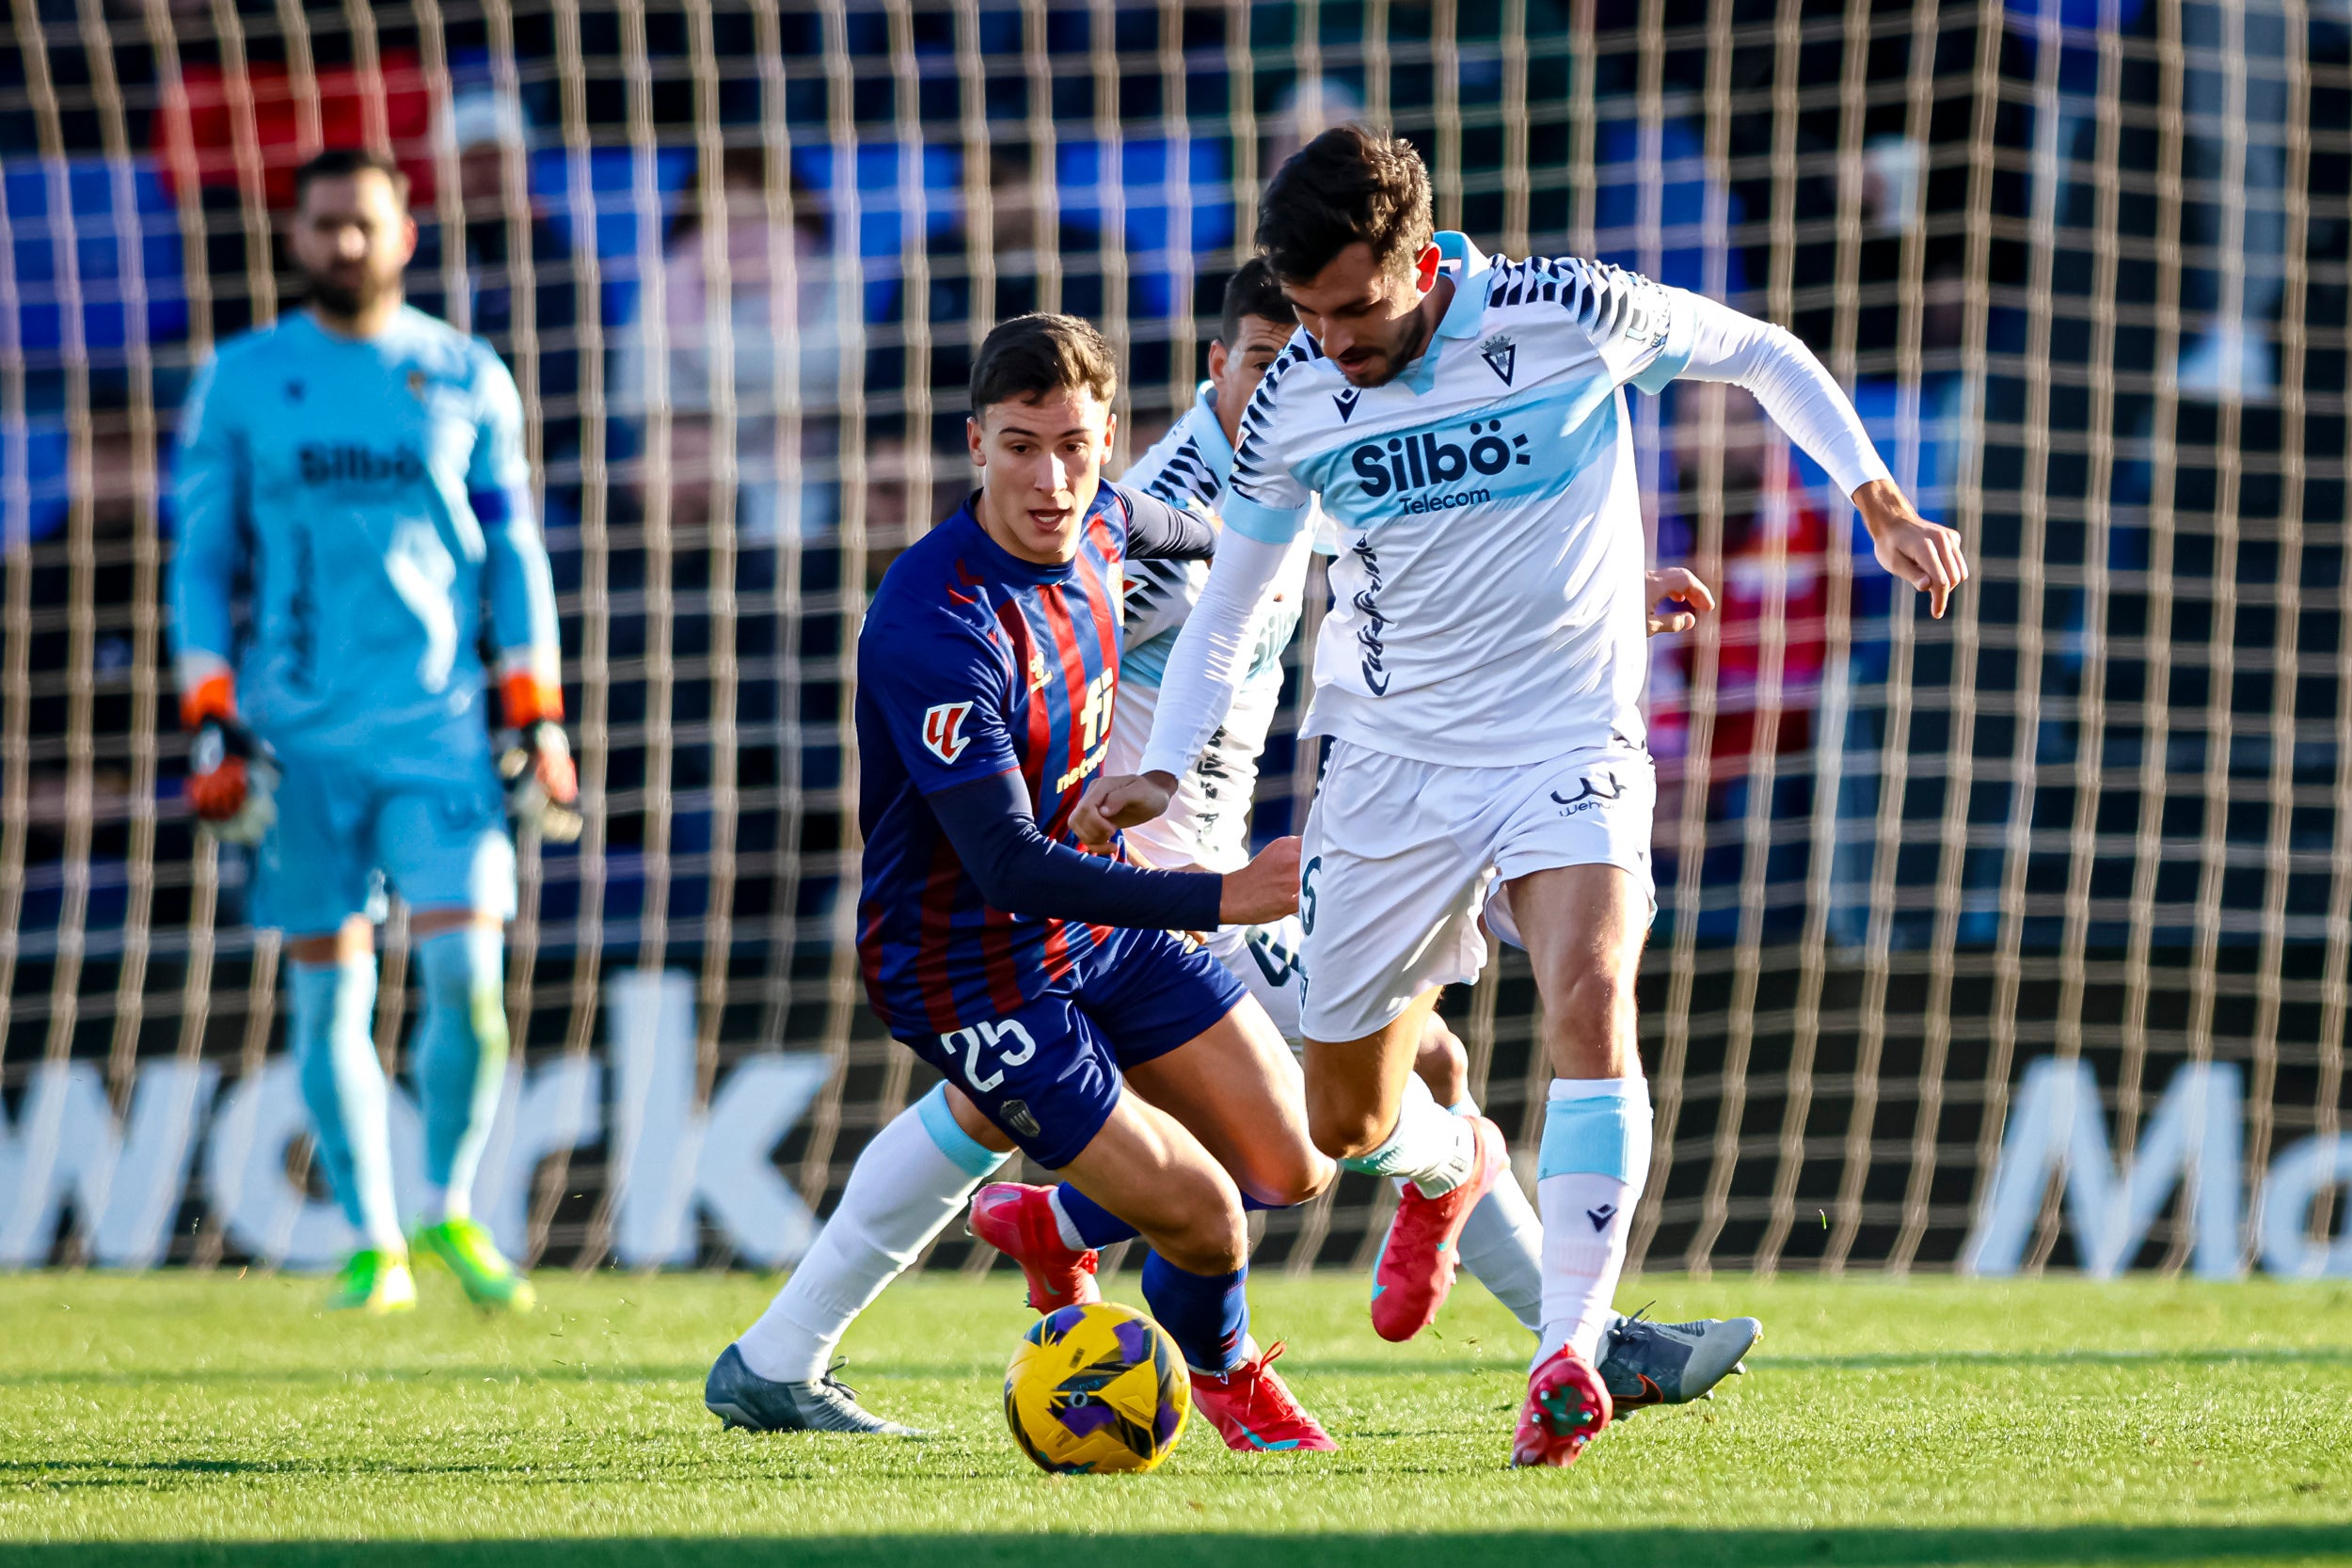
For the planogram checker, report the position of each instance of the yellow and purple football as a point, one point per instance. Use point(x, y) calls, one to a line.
point(1095, 1388)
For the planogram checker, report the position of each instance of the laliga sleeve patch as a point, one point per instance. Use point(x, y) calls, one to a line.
point(942, 730)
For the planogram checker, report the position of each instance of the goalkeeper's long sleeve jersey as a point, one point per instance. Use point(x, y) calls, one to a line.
point(364, 497)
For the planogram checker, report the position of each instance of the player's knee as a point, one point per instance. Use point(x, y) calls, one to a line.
point(1290, 1175)
point(1207, 1232)
point(1343, 1127)
point(1594, 1019)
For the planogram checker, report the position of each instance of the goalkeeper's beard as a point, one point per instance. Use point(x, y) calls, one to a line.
point(346, 301)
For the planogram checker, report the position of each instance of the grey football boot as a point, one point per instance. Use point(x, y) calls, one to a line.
point(1647, 1363)
point(741, 1397)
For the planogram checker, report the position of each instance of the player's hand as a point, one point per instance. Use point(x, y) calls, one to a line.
point(542, 783)
point(1127, 801)
point(232, 780)
point(1926, 555)
point(1673, 583)
point(1266, 889)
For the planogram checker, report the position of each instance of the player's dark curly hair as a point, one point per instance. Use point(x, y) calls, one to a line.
point(1348, 185)
point(1253, 291)
point(340, 163)
point(1035, 356)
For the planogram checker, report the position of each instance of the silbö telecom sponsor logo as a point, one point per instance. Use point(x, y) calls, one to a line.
point(1404, 465)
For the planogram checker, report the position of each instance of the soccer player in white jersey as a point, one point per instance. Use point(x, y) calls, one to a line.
point(360, 466)
point(1463, 422)
point(921, 1169)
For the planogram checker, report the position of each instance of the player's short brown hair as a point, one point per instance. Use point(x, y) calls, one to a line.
point(1344, 186)
point(1035, 356)
point(1253, 291)
point(340, 163)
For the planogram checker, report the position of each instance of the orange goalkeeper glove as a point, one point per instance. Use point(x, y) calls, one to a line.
point(232, 773)
point(541, 782)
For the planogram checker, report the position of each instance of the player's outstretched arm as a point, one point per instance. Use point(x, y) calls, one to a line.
point(1205, 669)
point(1713, 342)
point(1020, 870)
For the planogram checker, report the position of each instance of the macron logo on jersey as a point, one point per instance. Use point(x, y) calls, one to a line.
point(942, 730)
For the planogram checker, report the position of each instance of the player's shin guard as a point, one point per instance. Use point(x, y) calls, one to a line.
point(912, 1177)
point(461, 1057)
point(342, 1083)
point(1590, 1174)
point(1206, 1314)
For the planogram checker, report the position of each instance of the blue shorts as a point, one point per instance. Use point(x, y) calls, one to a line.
point(343, 831)
point(1048, 1074)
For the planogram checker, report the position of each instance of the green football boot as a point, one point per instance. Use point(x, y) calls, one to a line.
point(372, 1282)
point(490, 1281)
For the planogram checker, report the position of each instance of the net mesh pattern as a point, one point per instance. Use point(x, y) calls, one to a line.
point(2084, 267)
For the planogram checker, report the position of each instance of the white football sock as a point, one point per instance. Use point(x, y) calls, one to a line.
point(1429, 1147)
point(1590, 1174)
point(1063, 1224)
point(908, 1182)
point(1503, 1247)
point(1503, 1243)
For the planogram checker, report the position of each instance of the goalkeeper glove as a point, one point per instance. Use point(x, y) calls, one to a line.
point(535, 762)
point(232, 773)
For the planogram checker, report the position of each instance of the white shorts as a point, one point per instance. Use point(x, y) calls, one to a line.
point(1399, 857)
point(1265, 958)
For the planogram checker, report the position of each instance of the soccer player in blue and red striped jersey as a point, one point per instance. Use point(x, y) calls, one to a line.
point(1046, 982)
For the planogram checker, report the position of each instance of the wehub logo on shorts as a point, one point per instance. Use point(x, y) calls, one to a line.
point(1411, 465)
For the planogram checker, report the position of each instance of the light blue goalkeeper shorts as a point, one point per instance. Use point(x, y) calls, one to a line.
point(344, 830)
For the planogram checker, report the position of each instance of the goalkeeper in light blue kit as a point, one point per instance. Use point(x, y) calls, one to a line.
point(360, 466)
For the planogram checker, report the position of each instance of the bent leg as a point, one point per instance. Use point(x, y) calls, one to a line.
point(1585, 926)
point(1237, 1087)
point(1145, 1168)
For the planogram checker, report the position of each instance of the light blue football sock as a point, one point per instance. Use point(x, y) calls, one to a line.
point(1589, 1176)
point(460, 1056)
point(342, 1083)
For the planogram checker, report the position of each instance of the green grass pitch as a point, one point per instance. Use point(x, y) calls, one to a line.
point(183, 1418)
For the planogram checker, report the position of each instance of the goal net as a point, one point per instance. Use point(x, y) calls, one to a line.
point(2069, 865)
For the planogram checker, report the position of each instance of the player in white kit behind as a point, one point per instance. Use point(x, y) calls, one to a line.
point(1463, 422)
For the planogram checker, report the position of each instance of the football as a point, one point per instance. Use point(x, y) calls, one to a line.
point(1097, 1387)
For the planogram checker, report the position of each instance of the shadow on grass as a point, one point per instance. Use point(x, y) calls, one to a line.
point(1896, 1548)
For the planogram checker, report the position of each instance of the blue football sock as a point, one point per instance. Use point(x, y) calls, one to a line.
point(1206, 1314)
point(1098, 1227)
point(342, 1083)
point(460, 1056)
